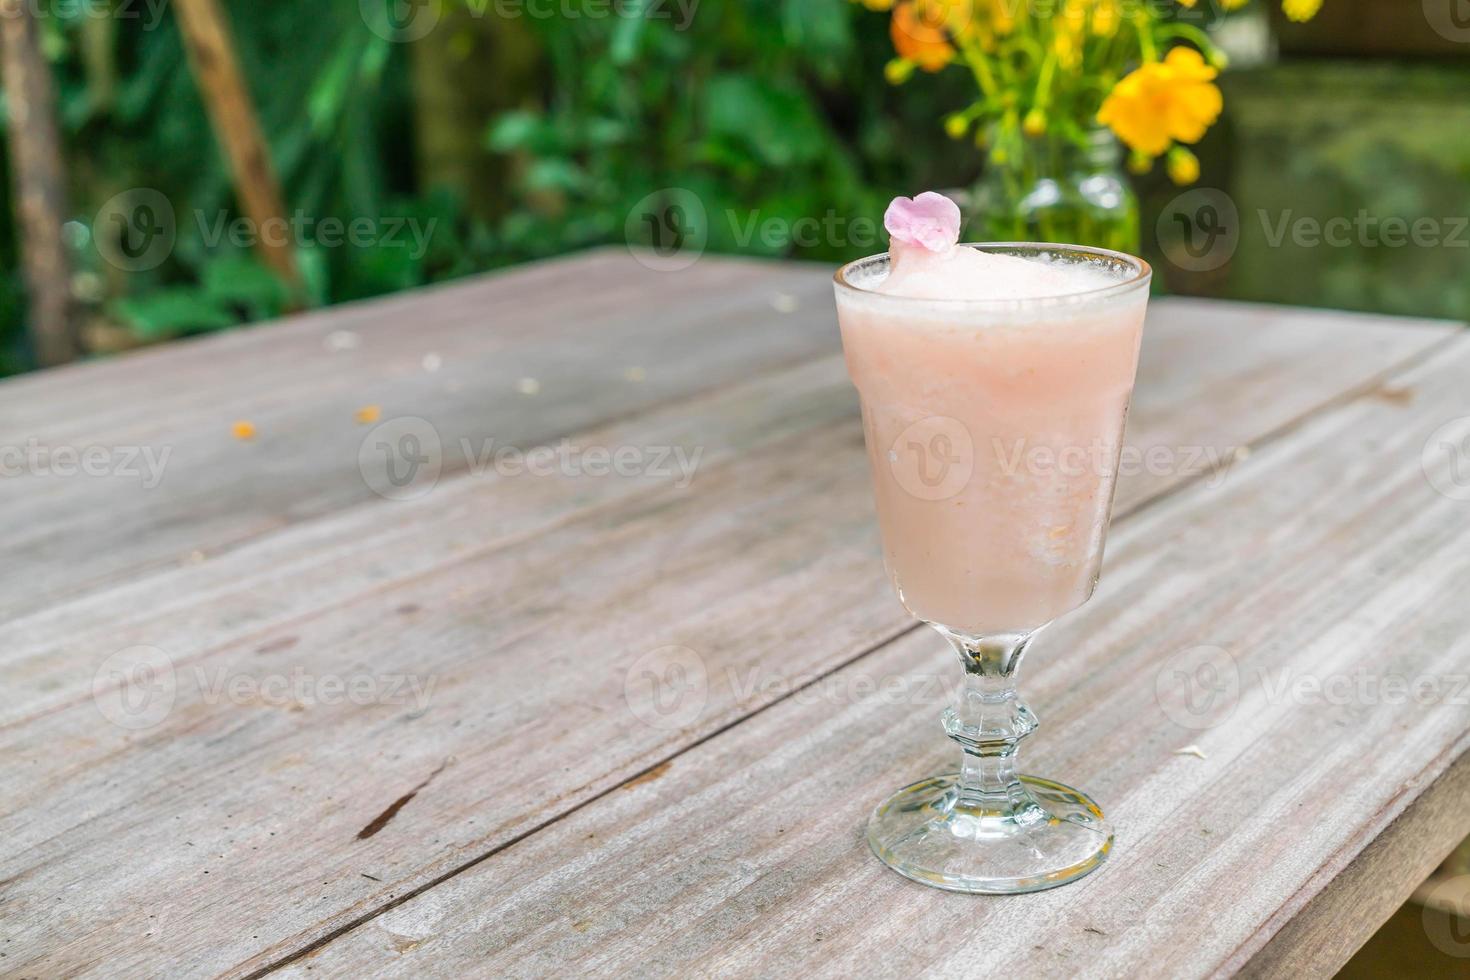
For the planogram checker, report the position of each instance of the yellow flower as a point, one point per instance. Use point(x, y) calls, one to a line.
point(898, 71)
point(1300, 10)
point(918, 34)
point(1183, 166)
point(1106, 16)
point(1002, 15)
point(1235, 4)
point(1163, 101)
point(877, 4)
point(1068, 48)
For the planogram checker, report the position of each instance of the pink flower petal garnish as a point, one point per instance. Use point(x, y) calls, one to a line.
point(930, 220)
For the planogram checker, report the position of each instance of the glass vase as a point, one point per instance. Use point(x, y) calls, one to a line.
point(1055, 189)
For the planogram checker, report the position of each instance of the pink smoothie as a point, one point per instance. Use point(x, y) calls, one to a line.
point(994, 391)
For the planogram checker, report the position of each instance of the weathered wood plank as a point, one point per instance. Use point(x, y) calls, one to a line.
point(526, 634)
point(256, 592)
point(574, 329)
point(1256, 369)
point(1327, 556)
point(1363, 895)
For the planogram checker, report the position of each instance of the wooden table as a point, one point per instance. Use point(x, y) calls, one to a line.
point(261, 718)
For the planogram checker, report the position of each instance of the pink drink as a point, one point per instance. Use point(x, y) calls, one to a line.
point(994, 391)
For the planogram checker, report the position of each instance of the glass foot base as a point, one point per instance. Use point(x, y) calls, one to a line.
point(1048, 835)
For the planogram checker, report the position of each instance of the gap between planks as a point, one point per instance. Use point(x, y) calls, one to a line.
point(1363, 389)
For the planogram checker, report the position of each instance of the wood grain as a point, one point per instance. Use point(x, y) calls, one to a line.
point(1327, 554)
point(714, 326)
point(1362, 895)
point(1256, 369)
point(528, 604)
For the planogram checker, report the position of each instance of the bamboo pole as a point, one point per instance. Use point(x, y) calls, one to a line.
point(216, 70)
point(39, 183)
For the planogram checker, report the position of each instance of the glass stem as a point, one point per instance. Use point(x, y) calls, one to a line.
point(988, 721)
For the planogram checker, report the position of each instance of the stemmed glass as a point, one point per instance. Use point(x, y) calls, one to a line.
point(994, 429)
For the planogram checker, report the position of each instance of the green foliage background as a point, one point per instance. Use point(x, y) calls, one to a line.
point(769, 106)
point(557, 126)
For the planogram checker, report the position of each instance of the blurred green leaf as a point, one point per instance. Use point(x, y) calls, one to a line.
point(240, 280)
point(311, 261)
point(822, 26)
point(778, 125)
point(520, 130)
point(628, 32)
point(555, 175)
point(170, 312)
